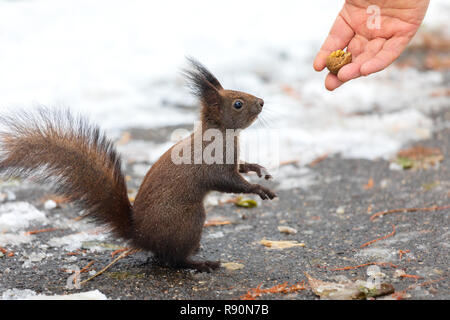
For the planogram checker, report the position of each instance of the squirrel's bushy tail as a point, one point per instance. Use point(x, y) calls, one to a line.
point(69, 151)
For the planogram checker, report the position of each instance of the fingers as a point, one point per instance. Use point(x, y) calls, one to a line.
point(338, 38)
point(389, 52)
point(365, 51)
point(332, 82)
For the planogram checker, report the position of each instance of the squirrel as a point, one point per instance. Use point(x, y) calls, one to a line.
point(168, 215)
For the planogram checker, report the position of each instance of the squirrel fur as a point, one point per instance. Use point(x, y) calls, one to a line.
point(168, 215)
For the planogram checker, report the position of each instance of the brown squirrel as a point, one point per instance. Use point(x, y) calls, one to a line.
point(168, 215)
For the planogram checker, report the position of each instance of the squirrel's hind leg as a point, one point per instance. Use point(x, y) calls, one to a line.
point(185, 262)
point(201, 266)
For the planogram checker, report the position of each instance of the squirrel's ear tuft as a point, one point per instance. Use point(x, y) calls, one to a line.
point(203, 83)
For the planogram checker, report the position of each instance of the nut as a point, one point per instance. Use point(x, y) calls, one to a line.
point(337, 59)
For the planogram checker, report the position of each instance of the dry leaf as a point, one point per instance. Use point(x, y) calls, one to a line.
point(280, 244)
point(216, 222)
point(248, 203)
point(126, 137)
point(419, 157)
point(369, 184)
point(232, 266)
point(347, 290)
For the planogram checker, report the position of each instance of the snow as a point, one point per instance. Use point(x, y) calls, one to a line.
point(27, 294)
point(29, 259)
point(119, 62)
point(74, 241)
point(16, 216)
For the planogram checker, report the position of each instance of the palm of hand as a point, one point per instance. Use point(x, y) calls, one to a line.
point(373, 46)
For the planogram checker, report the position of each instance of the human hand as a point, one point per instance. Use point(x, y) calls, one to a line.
point(373, 46)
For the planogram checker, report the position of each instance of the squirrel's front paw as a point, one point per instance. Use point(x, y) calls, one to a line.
point(264, 193)
point(259, 170)
point(263, 172)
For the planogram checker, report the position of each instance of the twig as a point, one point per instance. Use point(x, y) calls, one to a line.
point(123, 255)
point(41, 230)
point(399, 294)
point(85, 269)
point(118, 251)
point(365, 265)
point(318, 159)
point(211, 223)
point(9, 253)
point(401, 253)
point(288, 162)
point(76, 252)
point(405, 210)
point(280, 288)
point(382, 238)
point(426, 283)
point(410, 276)
point(82, 216)
point(232, 200)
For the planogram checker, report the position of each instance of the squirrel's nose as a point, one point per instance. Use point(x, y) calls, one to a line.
point(261, 102)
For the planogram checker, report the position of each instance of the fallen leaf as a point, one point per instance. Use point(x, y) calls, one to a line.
point(347, 290)
point(279, 245)
point(419, 157)
point(369, 184)
point(232, 266)
point(126, 137)
point(94, 245)
point(318, 160)
point(216, 222)
point(288, 162)
point(248, 203)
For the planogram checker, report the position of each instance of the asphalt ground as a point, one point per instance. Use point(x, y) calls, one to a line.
point(334, 230)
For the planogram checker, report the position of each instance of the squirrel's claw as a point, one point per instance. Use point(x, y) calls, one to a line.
point(265, 193)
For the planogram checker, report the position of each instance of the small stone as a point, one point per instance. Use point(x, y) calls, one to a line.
point(287, 230)
point(340, 210)
point(50, 205)
point(395, 166)
point(399, 273)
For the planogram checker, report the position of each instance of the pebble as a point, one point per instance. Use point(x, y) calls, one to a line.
point(340, 210)
point(50, 205)
point(287, 230)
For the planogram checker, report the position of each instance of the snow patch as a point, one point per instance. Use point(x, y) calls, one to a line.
point(16, 216)
point(74, 241)
point(27, 294)
point(386, 255)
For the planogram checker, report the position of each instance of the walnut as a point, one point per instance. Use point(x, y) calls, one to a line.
point(337, 59)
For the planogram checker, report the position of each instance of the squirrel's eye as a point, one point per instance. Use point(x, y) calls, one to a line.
point(238, 104)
